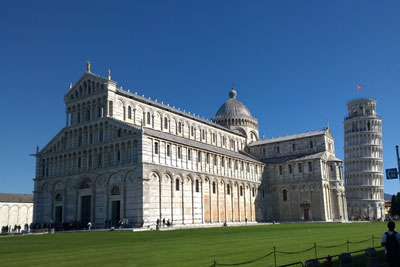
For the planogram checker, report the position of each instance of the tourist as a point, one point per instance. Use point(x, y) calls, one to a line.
point(391, 242)
point(328, 261)
point(89, 226)
point(163, 222)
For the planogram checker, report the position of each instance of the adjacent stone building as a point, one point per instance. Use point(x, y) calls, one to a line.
point(121, 155)
point(303, 177)
point(363, 160)
point(16, 209)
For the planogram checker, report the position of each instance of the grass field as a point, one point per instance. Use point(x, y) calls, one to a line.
point(192, 247)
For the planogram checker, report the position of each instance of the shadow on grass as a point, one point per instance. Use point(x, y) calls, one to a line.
point(358, 259)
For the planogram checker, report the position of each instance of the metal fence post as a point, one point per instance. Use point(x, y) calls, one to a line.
point(215, 263)
point(373, 243)
point(275, 255)
point(315, 249)
point(348, 250)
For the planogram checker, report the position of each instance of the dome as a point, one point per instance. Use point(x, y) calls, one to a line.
point(233, 108)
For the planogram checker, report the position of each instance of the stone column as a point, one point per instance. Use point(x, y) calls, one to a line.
point(202, 201)
point(238, 193)
point(183, 202)
point(218, 208)
point(232, 204)
point(210, 197)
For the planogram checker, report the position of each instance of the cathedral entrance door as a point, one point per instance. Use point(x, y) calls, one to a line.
point(115, 212)
point(58, 214)
point(306, 213)
point(86, 202)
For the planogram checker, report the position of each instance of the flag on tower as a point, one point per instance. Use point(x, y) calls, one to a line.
point(359, 87)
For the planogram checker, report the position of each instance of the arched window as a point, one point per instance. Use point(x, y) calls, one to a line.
point(110, 108)
point(118, 156)
point(213, 187)
point(165, 123)
point(129, 112)
point(311, 144)
point(179, 127)
point(148, 118)
point(155, 147)
point(85, 185)
point(124, 111)
point(241, 190)
point(284, 193)
point(58, 197)
point(228, 189)
point(177, 184)
point(197, 186)
point(115, 191)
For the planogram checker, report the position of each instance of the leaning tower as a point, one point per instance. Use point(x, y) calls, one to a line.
point(363, 160)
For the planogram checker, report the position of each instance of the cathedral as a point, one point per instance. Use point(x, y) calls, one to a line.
point(122, 156)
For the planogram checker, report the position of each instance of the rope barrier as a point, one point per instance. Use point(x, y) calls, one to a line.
point(362, 241)
point(241, 263)
point(333, 246)
point(295, 252)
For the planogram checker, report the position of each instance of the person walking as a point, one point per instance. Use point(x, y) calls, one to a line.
point(391, 242)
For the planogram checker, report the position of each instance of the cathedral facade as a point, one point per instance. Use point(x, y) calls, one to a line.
point(123, 156)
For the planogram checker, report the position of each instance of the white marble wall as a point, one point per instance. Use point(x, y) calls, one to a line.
point(15, 213)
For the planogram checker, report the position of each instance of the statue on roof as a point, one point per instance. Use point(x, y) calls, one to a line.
point(87, 66)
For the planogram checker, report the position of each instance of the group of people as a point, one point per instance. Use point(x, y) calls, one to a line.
point(8, 229)
point(164, 222)
point(364, 218)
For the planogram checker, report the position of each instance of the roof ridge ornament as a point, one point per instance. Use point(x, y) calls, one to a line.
point(109, 74)
point(88, 66)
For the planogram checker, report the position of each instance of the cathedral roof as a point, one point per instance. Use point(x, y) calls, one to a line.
point(301, 157)
point(233, 108)
point(16, 198)
point(289, 137)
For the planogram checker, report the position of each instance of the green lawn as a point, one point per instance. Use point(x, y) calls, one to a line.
point(193, 247)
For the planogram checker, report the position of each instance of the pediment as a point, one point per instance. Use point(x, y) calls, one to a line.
point(87, 84)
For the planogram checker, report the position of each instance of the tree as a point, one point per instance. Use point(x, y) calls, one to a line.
point(395, 206)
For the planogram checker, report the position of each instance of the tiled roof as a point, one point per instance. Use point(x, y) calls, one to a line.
point(289, 137)
point(292, 158)
point(16, 198)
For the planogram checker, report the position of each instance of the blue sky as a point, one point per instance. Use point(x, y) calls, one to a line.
point(295, 64)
